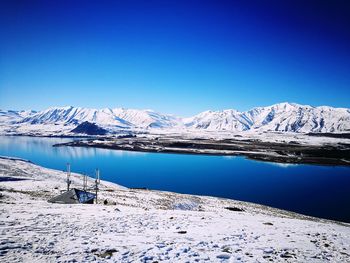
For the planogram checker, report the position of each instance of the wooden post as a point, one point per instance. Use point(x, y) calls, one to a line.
point(68, 176)
point(97, 181)
point(84, 182)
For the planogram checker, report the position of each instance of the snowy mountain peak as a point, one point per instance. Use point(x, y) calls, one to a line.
point(119, 117)
point(280, 117)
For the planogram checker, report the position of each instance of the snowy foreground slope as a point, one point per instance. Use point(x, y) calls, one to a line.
point(281, 117)
point(151, 226)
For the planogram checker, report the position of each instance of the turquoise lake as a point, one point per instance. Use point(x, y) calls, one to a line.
point(321, 191)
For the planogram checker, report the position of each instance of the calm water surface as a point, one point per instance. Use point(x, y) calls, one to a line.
point(313, 190)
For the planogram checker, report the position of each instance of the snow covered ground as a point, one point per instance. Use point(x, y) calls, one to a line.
point(151, 226)
point(269, 137)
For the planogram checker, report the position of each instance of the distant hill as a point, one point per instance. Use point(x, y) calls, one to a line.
point(89, 129)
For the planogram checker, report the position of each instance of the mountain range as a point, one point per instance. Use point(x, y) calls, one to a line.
point(282, 117)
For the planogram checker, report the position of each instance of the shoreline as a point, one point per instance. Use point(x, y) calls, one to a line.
point(289, 213)
point(289, 153)
point(281, 211)
point(149, 225)
point(329, 149)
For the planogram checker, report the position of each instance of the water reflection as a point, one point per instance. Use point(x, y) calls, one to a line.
point(284, 165)
point(25, 144)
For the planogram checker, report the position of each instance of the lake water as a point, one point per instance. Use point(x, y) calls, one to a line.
point(312, 190)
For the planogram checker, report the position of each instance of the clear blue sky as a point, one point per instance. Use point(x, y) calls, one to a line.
point(178, 57)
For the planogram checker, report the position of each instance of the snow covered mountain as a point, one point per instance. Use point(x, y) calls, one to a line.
point(282, 117)
point(230, 120)
point(291, 117)
point(120, 118)
point(11, 116)
point(146, 118)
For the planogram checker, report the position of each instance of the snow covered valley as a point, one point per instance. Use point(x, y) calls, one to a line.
point(151, 226)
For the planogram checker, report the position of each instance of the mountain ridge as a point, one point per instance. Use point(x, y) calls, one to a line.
point(280, 117)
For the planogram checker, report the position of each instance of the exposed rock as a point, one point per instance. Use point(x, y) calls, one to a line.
point(89, 128)
point(235, 209)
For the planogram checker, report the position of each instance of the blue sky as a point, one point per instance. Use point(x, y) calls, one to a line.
point(179, 57)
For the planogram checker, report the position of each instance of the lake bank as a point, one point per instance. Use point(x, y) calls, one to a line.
point(286, 152)
point(151, 225)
